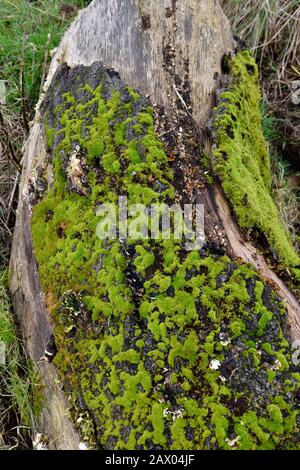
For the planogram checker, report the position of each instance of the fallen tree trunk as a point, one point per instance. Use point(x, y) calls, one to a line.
point(144, 325)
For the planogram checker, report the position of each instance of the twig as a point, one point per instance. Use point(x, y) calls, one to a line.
point(22, 83)
point(44, 68)
point(11, 199)
point(9, 144)
point(5, 226)
point(185, 106)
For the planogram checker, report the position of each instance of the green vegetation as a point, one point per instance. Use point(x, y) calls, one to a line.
point(24, 30)
point(284, 191)
point(273, 25)
point(271, 30)
point(241, 160)
point(167, 349)
point(269, 123)
point(21, 398)
point(193, 356)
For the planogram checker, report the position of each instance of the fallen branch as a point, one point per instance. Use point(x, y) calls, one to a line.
point(12, 196)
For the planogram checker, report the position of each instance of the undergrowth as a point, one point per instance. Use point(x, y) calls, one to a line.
point(271, 29)
point(29, 30)
point(284, 182)
point(241, 160)
point(16, 399)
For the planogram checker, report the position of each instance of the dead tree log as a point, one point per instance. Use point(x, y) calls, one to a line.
point(157, 348)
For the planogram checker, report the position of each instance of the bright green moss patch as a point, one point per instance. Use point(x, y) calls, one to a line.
point(161, 348)
point(241, 160)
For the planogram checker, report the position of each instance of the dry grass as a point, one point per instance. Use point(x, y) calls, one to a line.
point(287, 199)
point(12, 135)
point(16, 415)
point(271, 28)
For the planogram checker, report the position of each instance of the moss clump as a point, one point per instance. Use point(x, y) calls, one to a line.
point(241, 160)
point(162, 348)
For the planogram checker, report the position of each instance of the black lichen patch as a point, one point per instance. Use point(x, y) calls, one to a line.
point(146, 22)
point(37, 188)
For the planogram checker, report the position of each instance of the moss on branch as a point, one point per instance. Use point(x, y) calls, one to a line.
point(241, 161)
point(159, 348)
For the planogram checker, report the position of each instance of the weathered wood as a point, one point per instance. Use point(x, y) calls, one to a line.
point(246, 250)
point(151, 43)
point(34, 319)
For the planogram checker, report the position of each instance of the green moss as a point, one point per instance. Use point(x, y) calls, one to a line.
point(266, 316)
point(188, 350)
point(241, 159)
point(144, 260)
point(237, 327)
point(178, 433)
point(220, 422)
point(164, 346)
point(158, 424)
